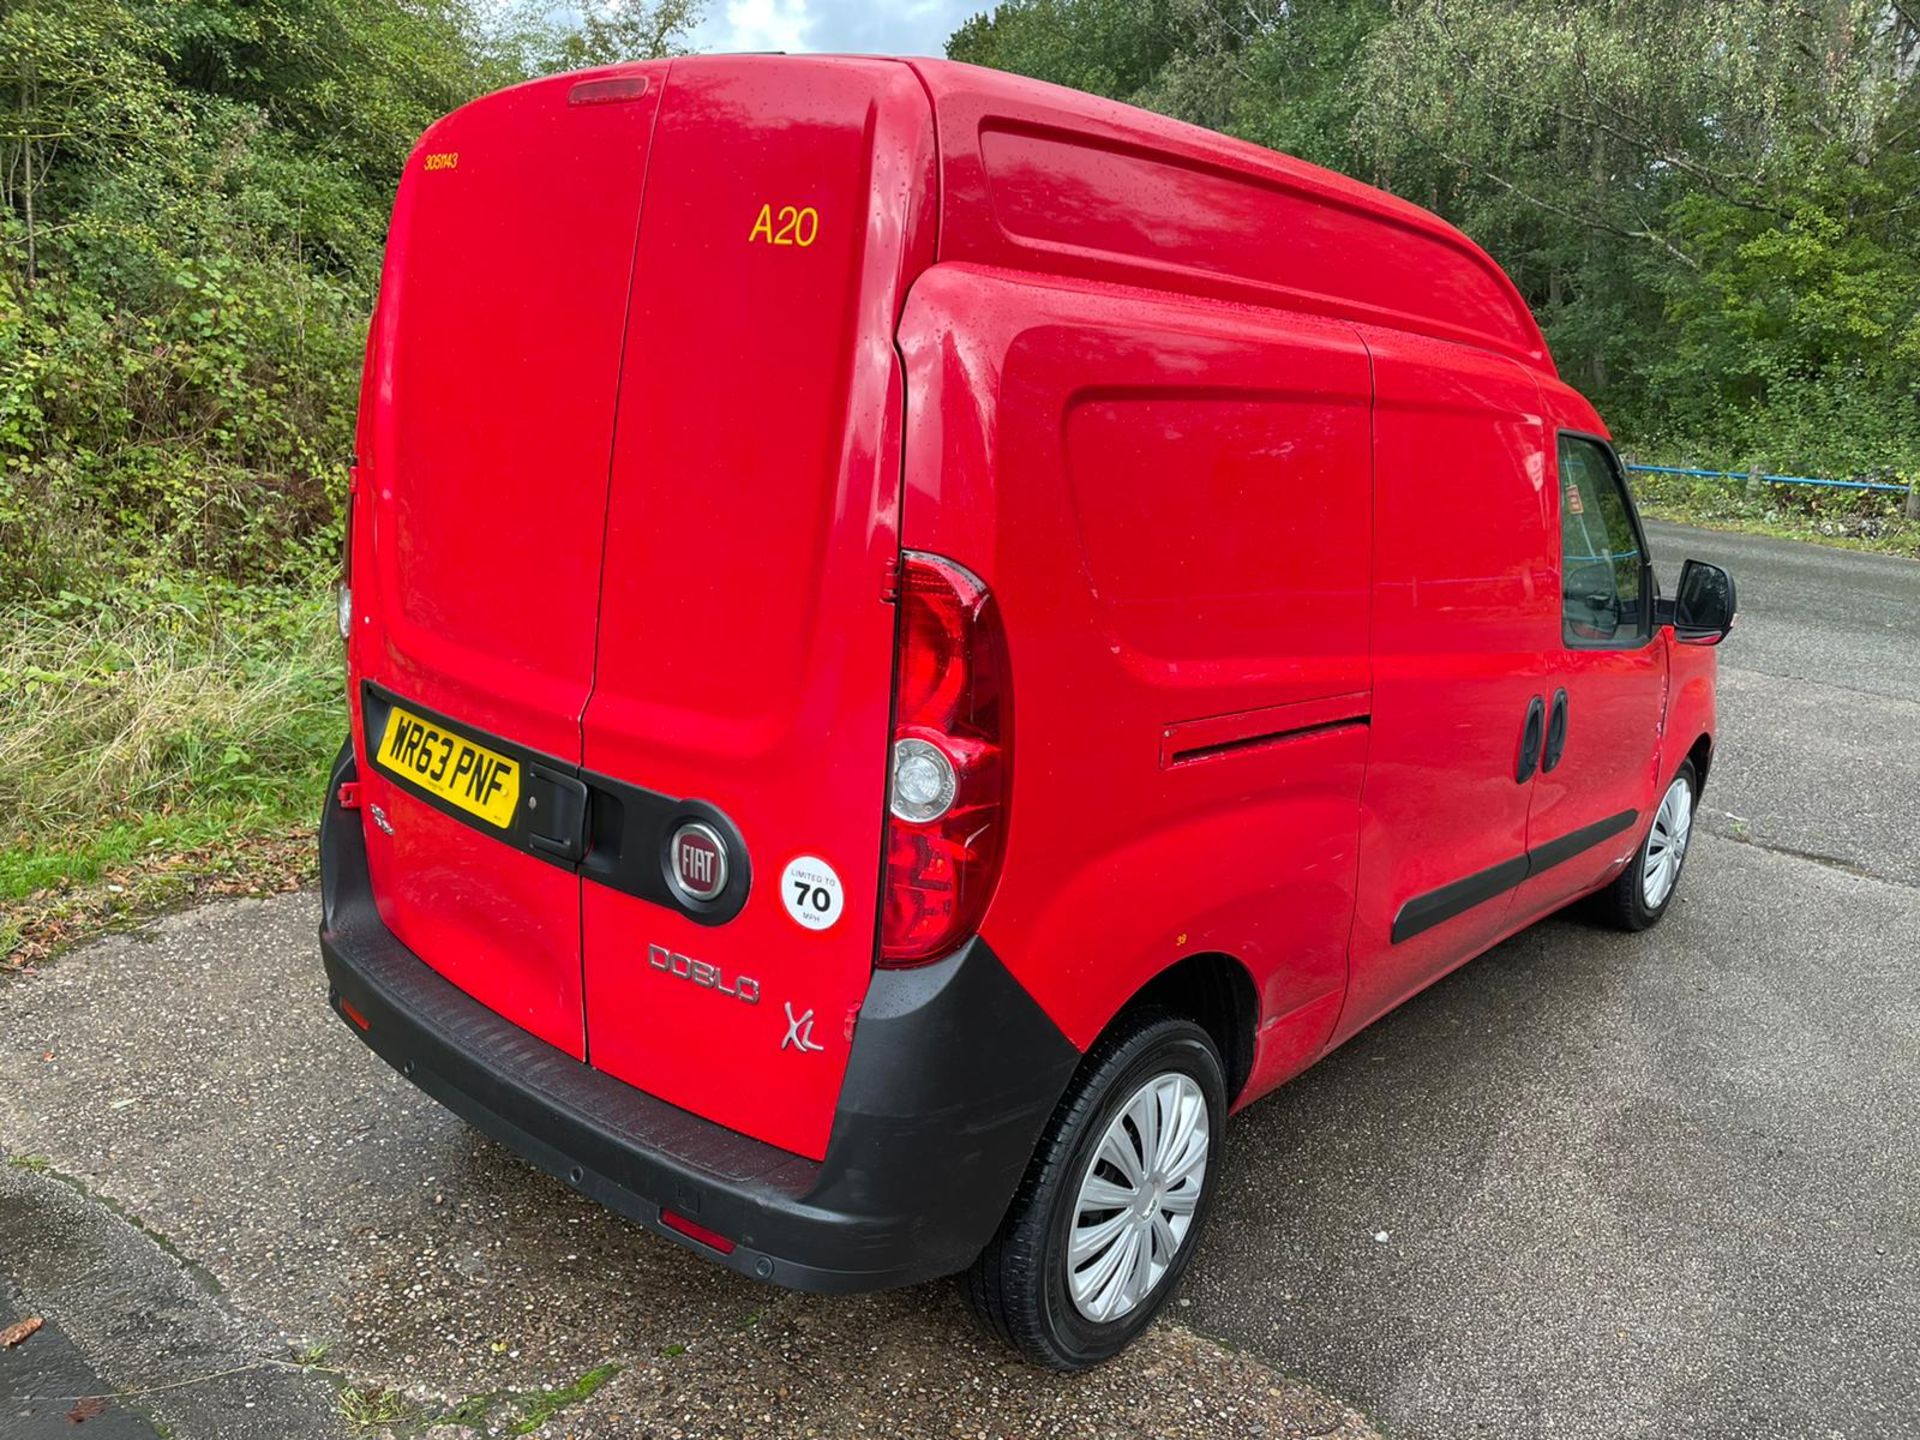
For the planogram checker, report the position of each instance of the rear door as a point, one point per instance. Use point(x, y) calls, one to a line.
point(486, 429)
point(746, 633)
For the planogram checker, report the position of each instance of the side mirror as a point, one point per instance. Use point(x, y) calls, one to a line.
point(1703, 608)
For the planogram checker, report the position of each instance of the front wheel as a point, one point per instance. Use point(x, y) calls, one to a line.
point(1111, 1208)
point(1641, 893)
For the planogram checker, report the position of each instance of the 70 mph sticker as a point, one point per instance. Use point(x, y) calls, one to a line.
point(811, 892)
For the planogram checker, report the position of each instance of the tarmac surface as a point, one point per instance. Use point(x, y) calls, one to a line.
point(1643, 1185)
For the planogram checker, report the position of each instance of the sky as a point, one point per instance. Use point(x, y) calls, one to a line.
point(896, 27)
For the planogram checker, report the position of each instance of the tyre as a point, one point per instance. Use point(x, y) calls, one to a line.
point(1640, 894)
point(1111, 1208)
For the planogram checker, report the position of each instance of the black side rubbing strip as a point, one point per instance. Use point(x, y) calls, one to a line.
point(1423, 912)
point(1260, 742)
point(1585, 838)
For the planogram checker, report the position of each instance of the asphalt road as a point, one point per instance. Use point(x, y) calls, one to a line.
point(1654, 1185)
point(1820, 700)
point(1630, 1187)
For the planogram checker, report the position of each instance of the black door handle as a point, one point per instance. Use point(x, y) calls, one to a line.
point(1556, 732)
point(1531, 735)
point(555, 814)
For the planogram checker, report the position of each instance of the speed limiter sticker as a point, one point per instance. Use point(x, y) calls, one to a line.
point(811, 891)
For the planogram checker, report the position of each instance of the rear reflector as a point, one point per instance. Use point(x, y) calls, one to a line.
point(947, 810)
point(361, 1021)
point(611, 91)
point(710, 1238)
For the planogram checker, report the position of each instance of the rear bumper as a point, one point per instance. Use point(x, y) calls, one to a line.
point(953, 1072)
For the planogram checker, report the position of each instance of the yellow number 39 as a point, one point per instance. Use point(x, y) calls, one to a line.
point(786, 226)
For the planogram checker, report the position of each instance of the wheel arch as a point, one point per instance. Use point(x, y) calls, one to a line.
point(1701, 754)
point(1217, 992)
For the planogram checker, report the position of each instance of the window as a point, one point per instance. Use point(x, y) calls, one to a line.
point(1604, 584)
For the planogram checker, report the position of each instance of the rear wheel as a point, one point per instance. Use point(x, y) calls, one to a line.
point(1639, 896)
point(1111, 1208)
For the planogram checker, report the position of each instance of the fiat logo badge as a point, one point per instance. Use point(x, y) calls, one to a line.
point(697, 861)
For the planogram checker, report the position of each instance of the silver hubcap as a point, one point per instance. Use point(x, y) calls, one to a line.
point(1667, 845)
point(1137, 1199)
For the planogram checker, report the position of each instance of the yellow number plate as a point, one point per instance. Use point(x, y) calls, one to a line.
point(451, 766)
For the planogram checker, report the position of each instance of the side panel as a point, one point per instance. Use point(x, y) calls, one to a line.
point(486, 425)
point(746, 637)
point(1465, 605)
point(1171, 503)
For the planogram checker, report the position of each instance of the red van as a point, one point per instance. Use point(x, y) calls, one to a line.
point(917, 638)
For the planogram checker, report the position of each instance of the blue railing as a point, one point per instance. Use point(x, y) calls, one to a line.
point(1881, 485)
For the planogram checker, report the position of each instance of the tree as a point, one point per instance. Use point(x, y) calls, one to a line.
point(193, 195)
point(1710, 207)
point(1106, 47)
point(543, 36)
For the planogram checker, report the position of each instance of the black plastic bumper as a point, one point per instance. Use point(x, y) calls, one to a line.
point(953, 1072)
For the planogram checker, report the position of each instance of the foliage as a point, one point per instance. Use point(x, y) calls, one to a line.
point(1710, 207)
point(167, 697)
point(193, 195)
point(1107, 47)
point(1853, 519)
point(151, 742)
point(543, 37)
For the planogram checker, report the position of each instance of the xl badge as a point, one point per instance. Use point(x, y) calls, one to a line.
point(800, 1031)
point(697, 862)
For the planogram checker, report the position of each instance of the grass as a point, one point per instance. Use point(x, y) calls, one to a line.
point(540, 1406)
point(1851, 519)
point(514, 1412)
point(162, 743)
point(378, 1408)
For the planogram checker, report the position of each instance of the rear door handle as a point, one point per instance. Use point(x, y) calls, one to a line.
point(1532, 734)
point(1556, 732)
point(555, 818)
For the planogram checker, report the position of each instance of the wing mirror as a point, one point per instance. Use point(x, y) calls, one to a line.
point(1703, 607)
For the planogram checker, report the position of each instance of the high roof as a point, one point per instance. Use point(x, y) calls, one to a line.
point(1035, 176)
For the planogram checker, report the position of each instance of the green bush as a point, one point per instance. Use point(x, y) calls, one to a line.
point(193, 201)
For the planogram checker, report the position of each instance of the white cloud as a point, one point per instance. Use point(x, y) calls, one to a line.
point(768, 25)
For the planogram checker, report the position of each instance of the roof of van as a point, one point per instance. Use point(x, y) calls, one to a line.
point(1039, 178)
point(1036, 176)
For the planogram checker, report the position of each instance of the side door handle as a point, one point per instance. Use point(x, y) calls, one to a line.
point(1556, 732)
point(1532, 734)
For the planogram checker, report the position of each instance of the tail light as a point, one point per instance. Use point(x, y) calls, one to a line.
point(949, 763)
